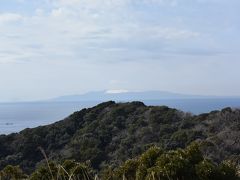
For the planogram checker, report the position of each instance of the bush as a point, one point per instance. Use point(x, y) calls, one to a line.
point(68, 170)
point(181, 164)
point(12, 173)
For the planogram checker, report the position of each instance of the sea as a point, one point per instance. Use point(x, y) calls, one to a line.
point(15, 117)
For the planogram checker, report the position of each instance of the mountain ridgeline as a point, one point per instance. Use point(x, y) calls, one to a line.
point(110, 133)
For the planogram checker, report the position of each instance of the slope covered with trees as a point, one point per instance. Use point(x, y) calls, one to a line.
point(110, 133)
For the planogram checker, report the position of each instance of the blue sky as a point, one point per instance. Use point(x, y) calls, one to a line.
point(50, 48)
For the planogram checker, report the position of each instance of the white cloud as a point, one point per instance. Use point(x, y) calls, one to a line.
point(71, 40)
point(84, 30)
point(116, 91)
point(109, 4)
point(9, 17)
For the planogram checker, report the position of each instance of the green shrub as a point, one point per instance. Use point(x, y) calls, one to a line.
point(12, 173)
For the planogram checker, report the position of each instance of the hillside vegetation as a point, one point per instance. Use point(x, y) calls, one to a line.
point(154, 164)
point(111, 133)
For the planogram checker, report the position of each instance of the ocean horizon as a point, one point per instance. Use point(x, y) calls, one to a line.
point(15, 117)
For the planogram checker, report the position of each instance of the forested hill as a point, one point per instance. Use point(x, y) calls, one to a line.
point(111, 133)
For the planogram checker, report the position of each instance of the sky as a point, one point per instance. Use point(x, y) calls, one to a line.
point(50, 48)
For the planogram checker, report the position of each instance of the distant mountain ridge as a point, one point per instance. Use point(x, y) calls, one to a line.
point(128, 96)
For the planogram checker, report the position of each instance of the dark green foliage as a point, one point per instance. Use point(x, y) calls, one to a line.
point(228, 170)
point(181, 164)
point(154, 164)
point(68, 170)
point(147, 160)
point(128, 170)
point(111, 133)
point(12, 173)
point(206, 170)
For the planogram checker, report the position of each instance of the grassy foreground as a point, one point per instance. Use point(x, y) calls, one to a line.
point(154, 164)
